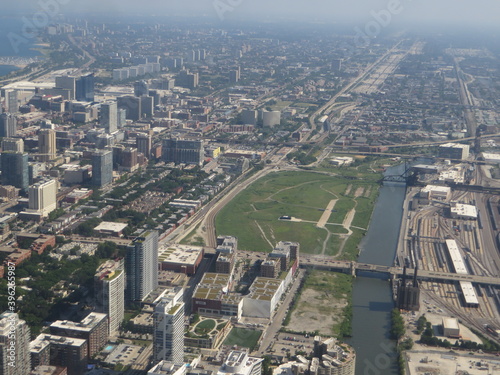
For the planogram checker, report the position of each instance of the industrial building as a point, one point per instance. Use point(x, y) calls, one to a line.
point(455, 151)
point(180, 258)
point(451, 328)
point(408, 293)
point(435, 192)
point(468, 293)
point(463, 211)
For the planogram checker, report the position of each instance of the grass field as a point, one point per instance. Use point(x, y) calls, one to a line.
point(253, 215)
point(246, 338)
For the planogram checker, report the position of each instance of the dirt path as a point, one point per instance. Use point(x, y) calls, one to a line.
point(348, 190)
point(359, 192)
point(326, 214)
point(263, 234)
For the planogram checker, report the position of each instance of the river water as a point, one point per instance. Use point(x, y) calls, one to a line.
point(372, 297)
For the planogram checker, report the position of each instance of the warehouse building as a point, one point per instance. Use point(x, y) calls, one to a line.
point(180, 258)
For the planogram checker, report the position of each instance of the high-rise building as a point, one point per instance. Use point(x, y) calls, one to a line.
point(47, 145)
point(147, 106)
point(43, 197)
point(85, 88)
point(132, 104)
point(336, 65)
point(129, 159)
point(143, 142)
point(11, 101)
point(13, 144)
point(8, 125)
point(15, 170)
point(109, 116)
point(183, 151)
point(110, 292)
point(93, 329)
point(141, 266)
point(249, 117)
point(141, 88)
point(60, 351)
point(68, 83)
point(102, 168)
point(168, 323)
point(187, 79)
point(14, 345)
point(235, 75)
point(271, 118)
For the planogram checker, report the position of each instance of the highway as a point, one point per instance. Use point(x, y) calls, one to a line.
point(327, 107)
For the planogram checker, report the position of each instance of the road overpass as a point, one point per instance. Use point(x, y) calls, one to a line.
point(355, 268)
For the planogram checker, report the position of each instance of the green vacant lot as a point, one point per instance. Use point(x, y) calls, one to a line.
point(247, 338)
point(253, 215)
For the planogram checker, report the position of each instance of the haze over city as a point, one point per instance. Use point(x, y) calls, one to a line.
point(249, 187)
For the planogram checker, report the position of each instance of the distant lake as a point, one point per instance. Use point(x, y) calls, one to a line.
point(6, 69)
point(14, 25)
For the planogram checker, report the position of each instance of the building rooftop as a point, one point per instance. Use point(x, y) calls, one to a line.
point(87, 324)
point(109, 226)
point(264, 288)
point(212, 285)
point(465, 210)
point(180, 254)
point(43, 340)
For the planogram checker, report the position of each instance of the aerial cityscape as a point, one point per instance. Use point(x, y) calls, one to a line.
point(235, 188)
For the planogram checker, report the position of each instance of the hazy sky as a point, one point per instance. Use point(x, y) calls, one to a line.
point(461, 12)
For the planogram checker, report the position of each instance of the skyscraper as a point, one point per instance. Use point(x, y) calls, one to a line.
point(14, 333)
point(47, 145)
point(143, 143)
point(110, 292)
point(147, 106)
point(168, 323)
point(13, 144)
point(43, 197)
point(15, 170)
point(109, 116)
point(8, 125)
point(85, 88)
point(132, 105)
point(141, 88)
point(183, 151)
point(11, 101)
point(102, 168)
point(141, 266)
point(68, 83)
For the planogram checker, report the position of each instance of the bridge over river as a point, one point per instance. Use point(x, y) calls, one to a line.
point(354, 268)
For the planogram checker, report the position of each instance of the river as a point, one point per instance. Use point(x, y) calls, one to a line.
point(372, 297)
